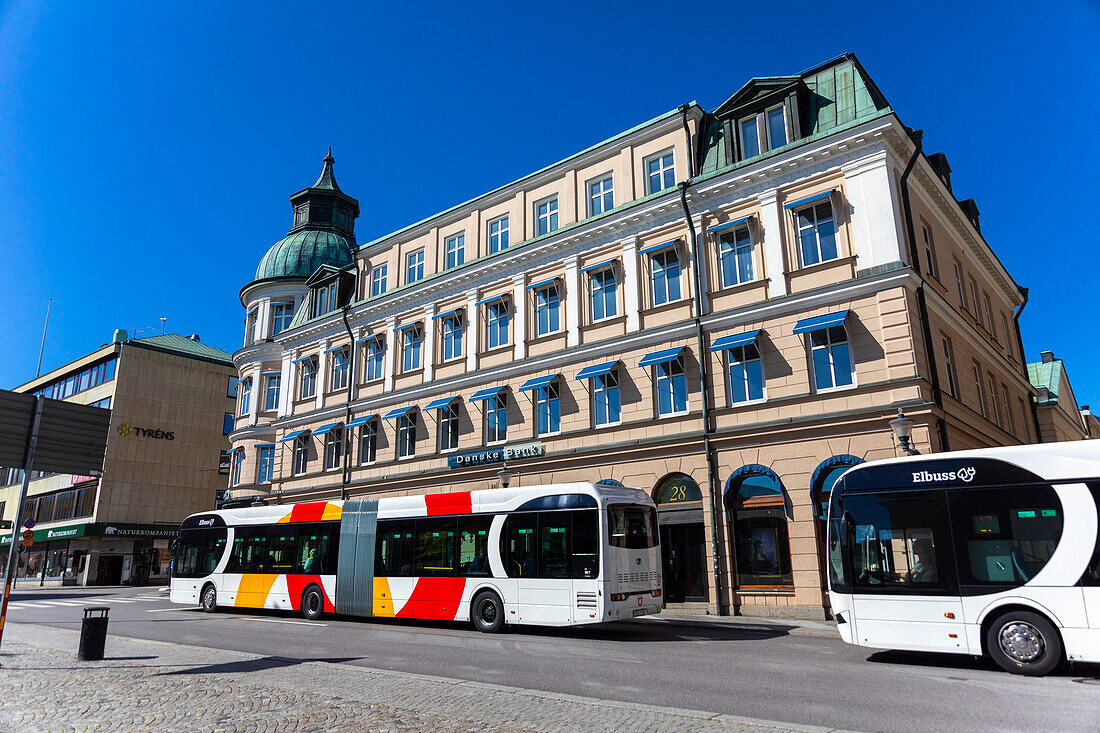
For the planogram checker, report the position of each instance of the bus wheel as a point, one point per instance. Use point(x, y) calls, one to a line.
point(1024, 643)
point(488, 612)
point(209, 600)
point(313, 603)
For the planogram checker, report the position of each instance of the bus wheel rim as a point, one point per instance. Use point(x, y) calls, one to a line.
point(312, 602)
point(1021, 642)
point(488, 611)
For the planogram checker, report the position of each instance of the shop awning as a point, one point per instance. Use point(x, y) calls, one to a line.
point(660, 357)
point(808, 200)
point(728, 225)
point(538, 382)
point(486, 393)
point(597, 370)
point(819, 322)
point(293, 436)
point(732, 342)
point(440, 403)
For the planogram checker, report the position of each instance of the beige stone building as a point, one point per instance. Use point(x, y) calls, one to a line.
point(1056, 408)
point(723, 308)
point(171, 399)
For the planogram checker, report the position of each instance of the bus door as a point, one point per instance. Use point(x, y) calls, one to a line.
point(536, 556)
point(584, 548)
point(1090, 581)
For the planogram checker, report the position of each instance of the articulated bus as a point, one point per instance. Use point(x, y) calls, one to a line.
point(992, 552)
point(557, 555)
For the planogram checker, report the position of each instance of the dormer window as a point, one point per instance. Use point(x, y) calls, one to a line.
point(763, 131)
point(324, 299)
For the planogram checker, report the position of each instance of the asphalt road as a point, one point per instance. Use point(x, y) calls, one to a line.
point(748, 669)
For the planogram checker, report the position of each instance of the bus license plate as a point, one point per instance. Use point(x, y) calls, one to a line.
point(641, 611)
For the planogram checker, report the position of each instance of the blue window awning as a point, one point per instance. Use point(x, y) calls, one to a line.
point(445, 315)
point(819, 322)
point(486, 393)
point(406, 327)
point(599, 266)
point(660, 357)
point(538, 382)
point(597, 370)
point(271, 374)
point(300, 359)
point(657, 247)
point(399, 412)
point(324, 429)
point(293, 436)
point(542, 284)
point(361, 420)
point(732, 342)
point(341, 347)
point(728, 225)
point(492, 299)
point(440, 403)
point(808, 200)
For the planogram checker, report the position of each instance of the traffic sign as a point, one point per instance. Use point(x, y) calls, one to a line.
point(28, 534)
point(26, 543)
point(29, 524)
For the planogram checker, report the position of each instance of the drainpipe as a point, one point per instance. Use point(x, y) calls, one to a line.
point(922, 303)
point(344, 475)
point(704, 360)
point(1023, 362)
point(687, 137)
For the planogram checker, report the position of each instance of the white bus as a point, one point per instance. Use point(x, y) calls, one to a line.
point(991, 551)
point(557, 555)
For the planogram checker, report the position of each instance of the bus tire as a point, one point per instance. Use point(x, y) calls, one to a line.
point(313, 603)
point(1023, 642)
point(487, 612)
point(208, 601)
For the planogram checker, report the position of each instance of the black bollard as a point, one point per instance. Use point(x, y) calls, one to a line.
point(93, 634)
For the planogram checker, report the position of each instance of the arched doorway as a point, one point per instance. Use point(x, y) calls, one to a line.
point(683, 541)
point(758, 510)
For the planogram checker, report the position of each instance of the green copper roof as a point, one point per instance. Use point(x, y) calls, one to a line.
point(1046, 374)
point(301, 253)
point(174, 342)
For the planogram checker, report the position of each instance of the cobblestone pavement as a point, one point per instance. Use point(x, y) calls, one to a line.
point(153, 686)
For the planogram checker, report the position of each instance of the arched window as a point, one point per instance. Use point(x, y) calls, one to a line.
point(678, 491)
point(825, 475)
point(757, 505)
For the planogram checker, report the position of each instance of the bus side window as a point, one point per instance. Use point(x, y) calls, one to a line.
point(586, 544)
point(900, 541)
point(393, 549)
point(249, 550)
point(518, 549)
point(1092, 572)
point(554, 552)
point(435, 547)
point(281, 542)
point(473, 545)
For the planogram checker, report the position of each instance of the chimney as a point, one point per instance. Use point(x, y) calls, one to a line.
point(120, 336)
point(943, 169)
point(970, 208)
point(1042, 394)
point(1046, 356)
point(195, 337)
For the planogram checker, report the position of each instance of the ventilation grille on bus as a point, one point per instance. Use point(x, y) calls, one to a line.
point(650, 577)
point(586, 600)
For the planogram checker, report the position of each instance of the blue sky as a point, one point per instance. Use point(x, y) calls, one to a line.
point(147, 150)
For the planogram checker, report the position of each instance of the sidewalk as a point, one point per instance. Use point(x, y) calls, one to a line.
point(155, 686)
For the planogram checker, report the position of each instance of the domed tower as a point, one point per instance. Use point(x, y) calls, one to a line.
point(323, 233)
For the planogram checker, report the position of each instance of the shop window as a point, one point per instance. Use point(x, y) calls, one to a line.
point(757, 508)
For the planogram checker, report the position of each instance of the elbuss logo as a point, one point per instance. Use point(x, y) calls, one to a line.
point(966, 475)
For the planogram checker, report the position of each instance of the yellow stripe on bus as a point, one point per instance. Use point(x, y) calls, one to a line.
point(332, 511)
point(383, 600)
point(253, 590)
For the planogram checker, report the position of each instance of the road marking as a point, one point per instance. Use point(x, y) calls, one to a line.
point(115, 600)
point(279, 621)
point(62, 603)
point(23, 604)
point(163, 610)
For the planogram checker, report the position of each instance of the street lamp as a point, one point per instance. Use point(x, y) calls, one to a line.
point(903, 430)
point(505, 476)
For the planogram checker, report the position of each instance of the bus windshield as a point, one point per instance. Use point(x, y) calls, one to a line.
point(632, 527)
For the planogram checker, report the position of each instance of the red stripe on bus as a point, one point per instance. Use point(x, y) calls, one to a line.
point(296, 585)
point(457, 502)
point(313, 511)
point(436, 599)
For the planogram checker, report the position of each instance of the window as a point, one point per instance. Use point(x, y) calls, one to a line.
point(368, 442)
point(105, 403)
point(605, 399)
point(234, 471)
point(1007, 409)
point(601, 197)
point(988, 313)
point(817, 234)
point(929, 250)
point(265, 468)
point(250, 324)
point(393, 554)
point(1024, 420)
point(307, 379)
point(228, 423)
point(378, 279)
point(334, 447)
point(553, 544)
point(301, 454)
point(631, 527)
point(548, 409)
point(323, 299)
point(498, 234)
point(374, 367)
point(777, 128)
point(410, 351)
point(414, 266)
point(448, 427)
point(547, 310)
point(949, 367)
point(317, 548)
point(434, 547)
point(604, 299)
point(832, 358)
point(975, 309)
point(761, 539)
point(281, 316)
point(978, 386)
point(664, 276)
point(339, 375)
point(199, 552)
point(959, 285)
point(735, 257)
point(455, 247)
point(750, 138)
point(546, 216)
point(452, 337)
point(1007, 340)
point(473, 546)
point(660, 172)
point(496, 323)
point(671, 387)
point(406, 434)
point(244, 396)
point(996, 411)
point(231, 387)
point(496, 418)
point(746, 374)
point(271, 394)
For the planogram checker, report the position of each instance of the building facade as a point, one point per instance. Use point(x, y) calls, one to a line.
point(1056, 408)
point(722, 308)
point(171, 399)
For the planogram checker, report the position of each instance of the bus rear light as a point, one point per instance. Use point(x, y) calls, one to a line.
point(618, 596)
point(656, 593)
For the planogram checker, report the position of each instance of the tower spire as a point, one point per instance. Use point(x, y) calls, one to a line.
point(327, 179)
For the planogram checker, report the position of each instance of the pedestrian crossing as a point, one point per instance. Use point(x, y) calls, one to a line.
point(16, 605)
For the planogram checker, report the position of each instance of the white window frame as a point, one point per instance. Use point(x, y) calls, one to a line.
point(653, 277)
point(447, 415)
point(311, 365)
point(235, 468)
point(552, 394)
point(981, 390)
point(959, 284)
point(768, 130)
point(495, 405)
point(539, 333)
point(380, 344)
point(300, 457)
point(851, 359)
point(334, 448)
point(414, 265)
point(751, 247)
point(369, 429)
point(498, 241)
point(504, 313)
point(661, 170)
point(406, 424)
point(281, 312)
point(993, 398)
point(988, 314)
point(413, 330)
point(949, 366)
point(816, 226)
point(244, 396)
point(592, 291)
point(1008, 410)
point(260, 465)
point(667, 368)
point(730, 361)
point(457, 336)
point(1008, 338)
point(761, 140)
point(929, 251)
point(597, 383)
point(551, 216)
point(268, 400)
point(977, 306)
point(456, 245)
point(598, 189)
point(378, 275)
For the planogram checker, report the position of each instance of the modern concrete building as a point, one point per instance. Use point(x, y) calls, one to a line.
point(171, 399)
point(1056, 408)
point(724, 308)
